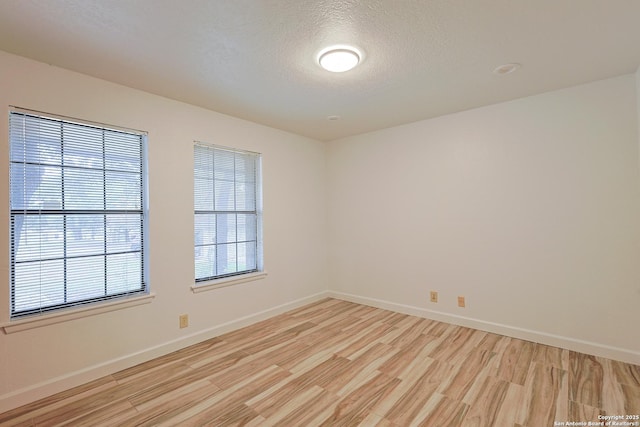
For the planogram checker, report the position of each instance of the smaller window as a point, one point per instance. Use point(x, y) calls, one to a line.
point(227, 212)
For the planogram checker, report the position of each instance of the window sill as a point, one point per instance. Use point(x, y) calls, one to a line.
point(76, 313)
point(228, 281)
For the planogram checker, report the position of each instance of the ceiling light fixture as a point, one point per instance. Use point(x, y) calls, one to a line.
point(339, 59)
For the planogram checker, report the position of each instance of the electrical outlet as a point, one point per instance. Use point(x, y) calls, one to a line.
point(461, 302)
point(184, 321)
point(433, 297)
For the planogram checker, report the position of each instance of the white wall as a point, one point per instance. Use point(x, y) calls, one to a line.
point(638, 108)
point(47, 359)
point(530, 209)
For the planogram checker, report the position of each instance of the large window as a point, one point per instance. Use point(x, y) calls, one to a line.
point(77, 213)
point(227, 212)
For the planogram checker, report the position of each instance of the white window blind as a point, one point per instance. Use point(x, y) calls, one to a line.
point(77, 213)
point(227, 212)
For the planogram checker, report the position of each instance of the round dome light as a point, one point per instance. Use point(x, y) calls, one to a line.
point(339, 60)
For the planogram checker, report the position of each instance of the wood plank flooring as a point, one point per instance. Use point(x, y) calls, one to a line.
point(336, 363)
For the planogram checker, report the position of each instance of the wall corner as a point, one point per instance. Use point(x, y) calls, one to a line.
point(638, 109)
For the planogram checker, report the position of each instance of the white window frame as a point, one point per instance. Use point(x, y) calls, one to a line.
point(208, 190)
point(112, 299)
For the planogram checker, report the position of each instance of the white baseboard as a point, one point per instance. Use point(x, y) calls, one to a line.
point(592, 348)
point(32, 393)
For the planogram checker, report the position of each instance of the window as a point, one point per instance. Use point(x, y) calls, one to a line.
point(77, 213)
point(227, 212)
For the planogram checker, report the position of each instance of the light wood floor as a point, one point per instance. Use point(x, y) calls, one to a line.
point(335, 363)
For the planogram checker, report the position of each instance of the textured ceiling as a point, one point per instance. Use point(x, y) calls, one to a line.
point(255, 59)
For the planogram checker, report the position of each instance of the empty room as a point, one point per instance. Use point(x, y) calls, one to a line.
point(320, 213)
